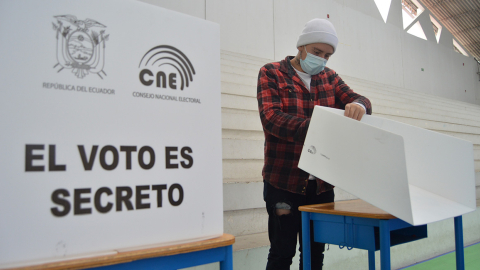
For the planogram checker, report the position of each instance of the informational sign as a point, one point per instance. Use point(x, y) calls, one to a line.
point(110, 129)
point(415, 174)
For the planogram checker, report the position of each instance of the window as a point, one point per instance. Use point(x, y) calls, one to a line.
point(411, 9)
point(437, 28)
point(458, 48)
point(383, 6)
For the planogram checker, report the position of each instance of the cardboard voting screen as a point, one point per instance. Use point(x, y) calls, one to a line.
point(110, 129)
point(417, 175)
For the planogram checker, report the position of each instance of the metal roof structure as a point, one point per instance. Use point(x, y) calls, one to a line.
point(461, 18)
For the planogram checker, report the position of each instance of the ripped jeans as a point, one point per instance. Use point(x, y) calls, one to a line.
point(284, 225)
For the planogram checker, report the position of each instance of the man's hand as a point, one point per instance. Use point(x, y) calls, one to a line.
point(354, 111)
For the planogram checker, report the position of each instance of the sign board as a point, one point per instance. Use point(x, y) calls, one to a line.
point(417, 175)
point(110, 129)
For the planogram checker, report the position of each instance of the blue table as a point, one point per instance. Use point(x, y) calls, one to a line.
point(165, 258)
point(358, 224)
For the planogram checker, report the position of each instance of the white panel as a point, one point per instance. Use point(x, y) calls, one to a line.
point(194, 8)
point(434, 159)
point(440, 168)
point(429, 207)
point(246, 26)
point(61, 104)
point(365, 161)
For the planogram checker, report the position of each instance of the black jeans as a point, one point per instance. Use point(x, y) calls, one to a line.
point(283, 229)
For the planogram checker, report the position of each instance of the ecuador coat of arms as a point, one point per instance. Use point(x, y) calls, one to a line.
point(79, 47)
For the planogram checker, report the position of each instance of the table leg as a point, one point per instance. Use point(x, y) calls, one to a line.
point(384, 245)
point(459, 252)
point(371, 259)
point(227, 264)
point(307, 262)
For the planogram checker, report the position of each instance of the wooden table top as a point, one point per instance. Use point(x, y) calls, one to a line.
point(128, 256)
point(352, 208)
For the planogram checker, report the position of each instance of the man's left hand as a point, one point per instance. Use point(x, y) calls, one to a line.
point(354, 111)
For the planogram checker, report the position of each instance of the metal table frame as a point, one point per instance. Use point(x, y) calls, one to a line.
point(385, 227)
point(174, 262)
point(172, 257)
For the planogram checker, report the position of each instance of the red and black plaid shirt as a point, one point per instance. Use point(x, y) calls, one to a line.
point(285, 107)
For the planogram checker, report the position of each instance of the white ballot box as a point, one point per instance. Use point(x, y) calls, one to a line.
point(417, 175)
point(110, 129)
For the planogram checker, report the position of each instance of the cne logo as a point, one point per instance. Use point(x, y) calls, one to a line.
point(161, 65)
point(79, 47)
point(312, 150)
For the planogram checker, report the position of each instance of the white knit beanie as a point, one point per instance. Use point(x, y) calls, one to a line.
point(318, 31)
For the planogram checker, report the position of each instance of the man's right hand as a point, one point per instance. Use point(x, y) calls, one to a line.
point(354, 111)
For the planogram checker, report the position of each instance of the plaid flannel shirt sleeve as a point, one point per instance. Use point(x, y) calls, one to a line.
point(274, 120)
point(346, 95)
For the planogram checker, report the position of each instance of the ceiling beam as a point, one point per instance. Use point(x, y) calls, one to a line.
point(463, 26)
point(460, 14)
point(466, 30)
point(430, 5)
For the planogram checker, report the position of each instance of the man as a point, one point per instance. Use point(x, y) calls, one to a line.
point(287, 91)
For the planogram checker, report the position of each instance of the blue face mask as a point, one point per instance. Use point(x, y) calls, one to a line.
point(312, 64)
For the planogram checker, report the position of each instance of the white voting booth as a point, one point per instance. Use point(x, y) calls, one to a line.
point(417, 175)
point(110, 129)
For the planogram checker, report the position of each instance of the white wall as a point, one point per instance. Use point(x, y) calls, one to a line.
point(246, 26)
point(368, 48)
point(378, 59)
point(194, 8)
